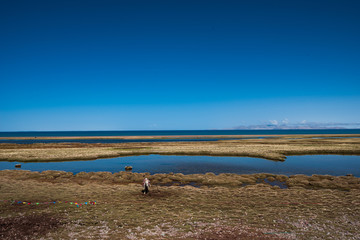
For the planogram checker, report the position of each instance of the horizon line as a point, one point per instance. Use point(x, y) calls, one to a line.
point(228, 129)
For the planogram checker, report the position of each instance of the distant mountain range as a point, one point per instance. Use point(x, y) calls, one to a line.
point(263, 127)
point(310, 125)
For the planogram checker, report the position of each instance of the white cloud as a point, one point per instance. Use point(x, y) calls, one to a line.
point(274, 122)
point(285, 121)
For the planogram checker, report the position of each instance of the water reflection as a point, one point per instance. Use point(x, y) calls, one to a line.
point(310, 164)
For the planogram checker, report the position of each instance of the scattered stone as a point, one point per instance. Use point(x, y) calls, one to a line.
point(18, 165)
point(128, 168)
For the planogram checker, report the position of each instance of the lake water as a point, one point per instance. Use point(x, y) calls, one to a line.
point(195, 139)
point(176, 132)
point(263, 134)
point(310, 164)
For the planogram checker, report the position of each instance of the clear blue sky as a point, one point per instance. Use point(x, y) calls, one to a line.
point(138, 65)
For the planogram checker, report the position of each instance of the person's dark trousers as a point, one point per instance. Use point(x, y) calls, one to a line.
point(146, 190)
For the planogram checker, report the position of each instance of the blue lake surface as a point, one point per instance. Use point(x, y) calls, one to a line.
point(175, 132)
point(310, 164)
point(195, 139)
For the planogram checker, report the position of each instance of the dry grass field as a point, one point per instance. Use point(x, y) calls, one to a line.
point(276, 148)
point(222, 207)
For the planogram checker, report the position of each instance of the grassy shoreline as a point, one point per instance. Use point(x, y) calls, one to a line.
point(268, 148)
point(313, 207)
point(345, 183)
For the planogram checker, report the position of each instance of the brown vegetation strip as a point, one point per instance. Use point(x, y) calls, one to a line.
point(209, 179)
point(273, 149)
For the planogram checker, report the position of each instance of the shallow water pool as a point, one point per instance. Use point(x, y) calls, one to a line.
point(308, 164)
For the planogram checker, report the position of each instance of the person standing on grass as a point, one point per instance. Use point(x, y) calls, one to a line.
point(146, 185)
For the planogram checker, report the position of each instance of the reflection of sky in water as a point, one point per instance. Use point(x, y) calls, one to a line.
point(310, 164)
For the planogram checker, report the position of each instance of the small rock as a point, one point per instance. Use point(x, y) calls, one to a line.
point(128, 168)
point(349, 175)
point(18, 165)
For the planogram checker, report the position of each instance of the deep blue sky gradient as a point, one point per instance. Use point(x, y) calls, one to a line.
point(132, 65)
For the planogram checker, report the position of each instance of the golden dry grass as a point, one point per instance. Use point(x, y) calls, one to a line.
point(273, 149)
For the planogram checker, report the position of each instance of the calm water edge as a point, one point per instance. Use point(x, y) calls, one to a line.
point(310, 164)
point(175, 132)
